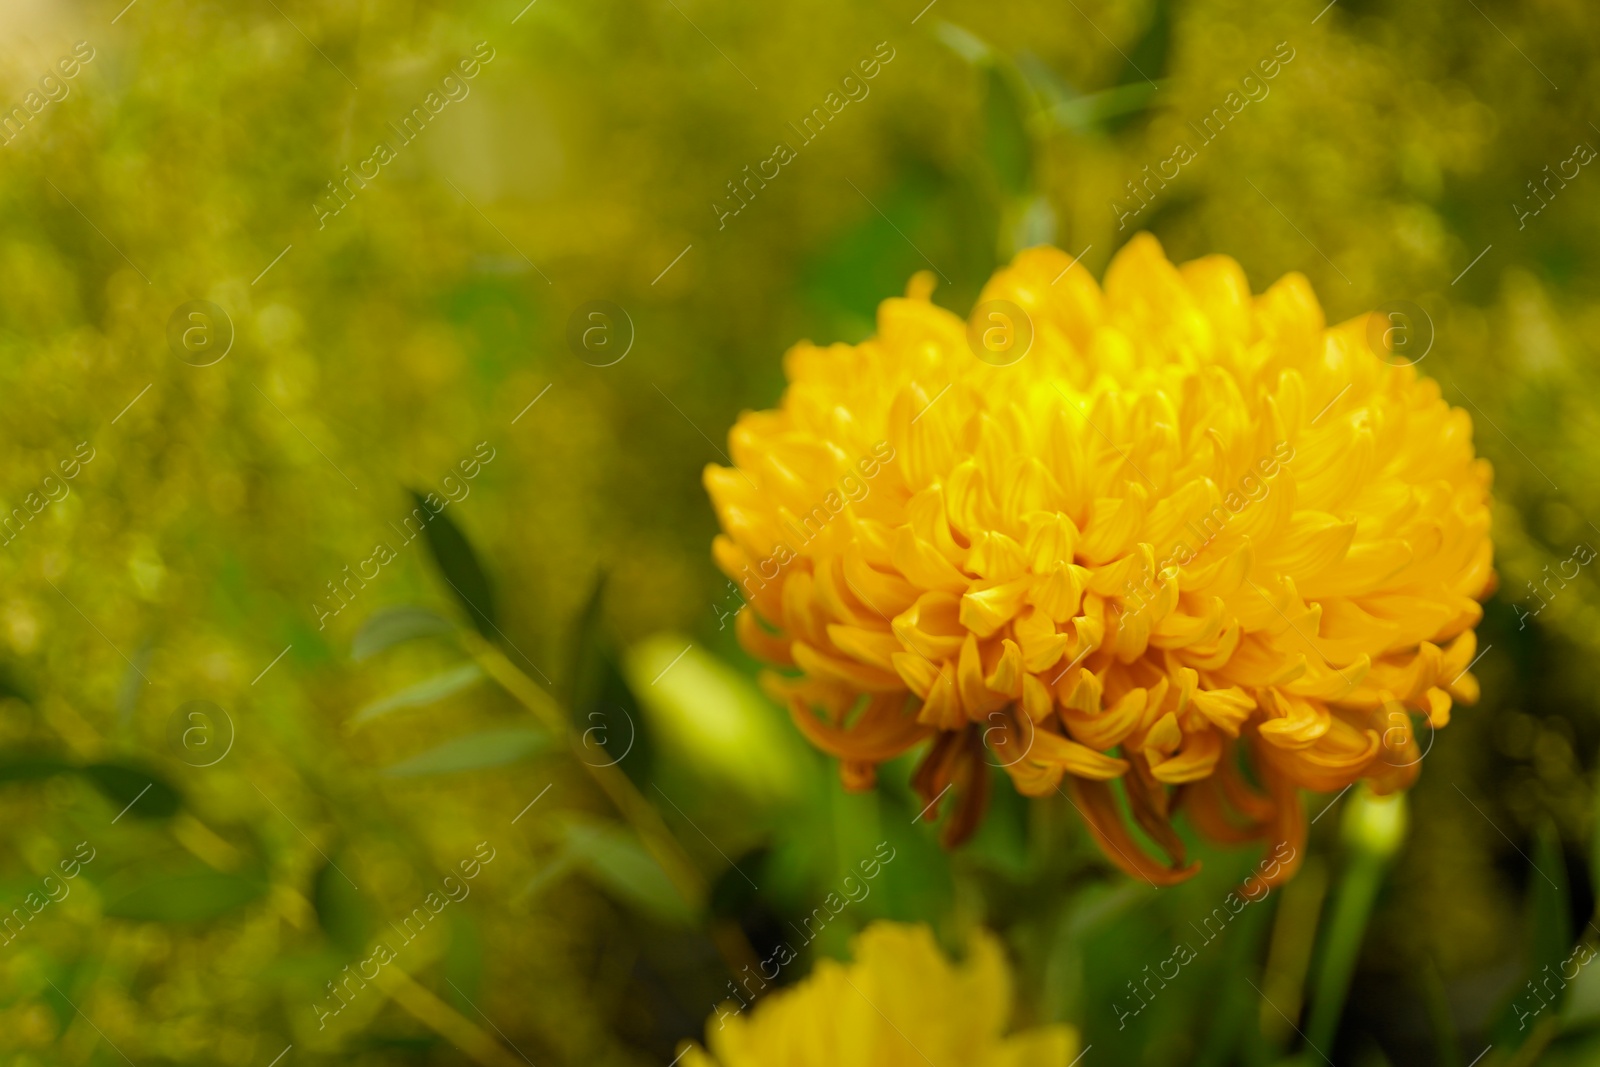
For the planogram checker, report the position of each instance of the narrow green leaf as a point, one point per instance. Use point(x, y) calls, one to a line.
point(618, 863)
point(1549, 911)
point(605, 713)
point(1547, 941)
point(1594, 842)
point(342, 913)
point(393, 626)
point(142, 793)
point(1007, 143)
point(1007, 103)
point(1146, 60)
point(133, 683)
point(964, 43)
point(1441, 1022)
point(554, 868)
point(587, 650)
point(189, 897)
point(459, 565)
point(426, 691)
point(1093, 111)
point(491, 748)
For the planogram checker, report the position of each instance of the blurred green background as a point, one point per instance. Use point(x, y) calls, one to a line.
point(242, 859)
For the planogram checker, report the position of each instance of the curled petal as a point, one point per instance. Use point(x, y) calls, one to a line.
point(1292, 722)
point(954, 763)
point(1204, 802)
point(1195, 760)
point(1226, 708)
point(821, 664)
point(1102, 728)
point(1098, 806)
point(1149, 801)
point(884, 730)
point(1082, 761)
point(757, 641)
point(1286, 836)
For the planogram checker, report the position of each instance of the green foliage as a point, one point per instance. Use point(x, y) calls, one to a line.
point(490, 748)
point(394, 626)
point(459, 567)
point(341, 912)
point(617, 863)
point(140, 792)
point(421, 693)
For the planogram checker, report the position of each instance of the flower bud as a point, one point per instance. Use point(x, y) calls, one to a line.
point(1374, 823)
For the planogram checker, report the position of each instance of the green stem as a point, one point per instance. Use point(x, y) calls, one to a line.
point(1358, 888)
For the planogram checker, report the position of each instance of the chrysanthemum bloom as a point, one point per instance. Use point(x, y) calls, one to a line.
point(1192, 541)
point(901, 1004)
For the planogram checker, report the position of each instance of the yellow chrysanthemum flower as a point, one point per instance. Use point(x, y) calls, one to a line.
point(1185, 538)
point(900, 1004)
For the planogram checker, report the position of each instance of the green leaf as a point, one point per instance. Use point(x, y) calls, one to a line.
point(1594, 843)
point(1007, 143)
point(554, 869)
point(588, 653)
point(1549, 913)
point(393, 626)
point(1094, 111)
point(31, 767)
point(964, 43)
point(605, 713)
point(143, 794)
point(426, 691)
point(613, 857)
point(460, 567)
point(1147, 58)
point(1007, 103)
point(491, 748)
point(1548, 939)
point(122, 784)
point(341, 911)
point(189, 897)
point(133, 683)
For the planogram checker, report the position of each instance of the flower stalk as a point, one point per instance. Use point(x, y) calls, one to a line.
point(1373, 827)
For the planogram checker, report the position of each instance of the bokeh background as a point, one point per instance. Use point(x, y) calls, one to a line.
point(249, 848)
